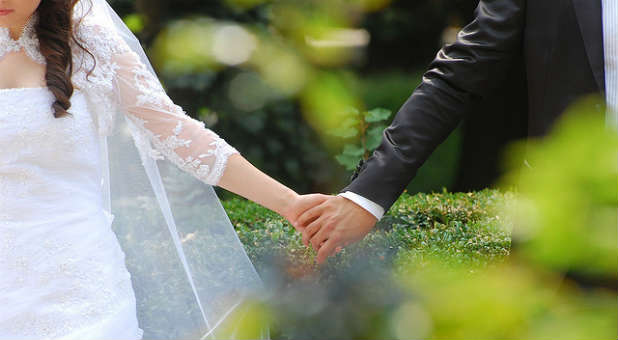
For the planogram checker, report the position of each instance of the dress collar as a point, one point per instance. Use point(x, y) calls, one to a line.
point(28, 41)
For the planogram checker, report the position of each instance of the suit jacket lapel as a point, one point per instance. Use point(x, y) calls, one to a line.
point(590, 17)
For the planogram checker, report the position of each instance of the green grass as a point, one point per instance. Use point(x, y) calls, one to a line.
point(458, 228)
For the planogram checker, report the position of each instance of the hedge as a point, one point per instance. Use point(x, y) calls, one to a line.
point(389, 286)
point(463, 228)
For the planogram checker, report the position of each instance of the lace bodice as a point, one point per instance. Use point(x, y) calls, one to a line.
point(45, 157)
point(61, 267)
point(121, 82)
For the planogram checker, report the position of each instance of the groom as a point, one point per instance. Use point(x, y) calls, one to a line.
point(568, 49)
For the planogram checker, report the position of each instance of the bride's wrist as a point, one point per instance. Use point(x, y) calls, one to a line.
point(288, 200)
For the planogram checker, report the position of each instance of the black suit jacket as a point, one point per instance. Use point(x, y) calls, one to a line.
point(557, 43)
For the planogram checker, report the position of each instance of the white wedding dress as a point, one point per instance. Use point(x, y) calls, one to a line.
point(62, 270)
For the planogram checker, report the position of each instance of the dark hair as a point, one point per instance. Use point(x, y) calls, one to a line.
point(54, 30)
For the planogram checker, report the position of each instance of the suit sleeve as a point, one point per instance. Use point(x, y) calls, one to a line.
point(460, 75)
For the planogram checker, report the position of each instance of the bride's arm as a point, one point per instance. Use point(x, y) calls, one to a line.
point(194, 148)
point(242, 178)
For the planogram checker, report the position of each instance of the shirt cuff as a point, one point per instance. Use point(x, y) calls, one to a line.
point(372, 207)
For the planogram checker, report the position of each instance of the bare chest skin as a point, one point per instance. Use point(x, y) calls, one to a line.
point(17, 70)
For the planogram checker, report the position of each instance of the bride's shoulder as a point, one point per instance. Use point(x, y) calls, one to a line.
point(101, 42)
point(93, 54)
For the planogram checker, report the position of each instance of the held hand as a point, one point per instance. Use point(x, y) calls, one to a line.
point(335, 223)
point(301, 203)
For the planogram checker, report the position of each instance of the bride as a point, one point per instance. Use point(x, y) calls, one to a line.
point(74, 83)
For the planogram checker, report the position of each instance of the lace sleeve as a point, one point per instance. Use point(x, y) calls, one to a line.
point(173, 134)
point(121, 80)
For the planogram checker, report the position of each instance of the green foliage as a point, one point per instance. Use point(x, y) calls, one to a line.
point(511, 301)
point(135, 22)
point(437, 266)
point(566, 212)
point(462, 227)
point(450, 253)
point(362, 132)
point(354, 295)
point(442, 265)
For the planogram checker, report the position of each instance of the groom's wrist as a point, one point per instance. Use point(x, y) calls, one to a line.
point(371, 207)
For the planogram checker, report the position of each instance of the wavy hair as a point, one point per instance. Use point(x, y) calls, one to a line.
point(54, 30)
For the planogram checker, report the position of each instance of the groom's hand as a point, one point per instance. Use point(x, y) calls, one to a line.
point(335, 223)
point(299, 205)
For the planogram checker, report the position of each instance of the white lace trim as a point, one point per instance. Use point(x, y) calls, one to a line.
point(166, 148)
point(28, 41)
point(151, 94)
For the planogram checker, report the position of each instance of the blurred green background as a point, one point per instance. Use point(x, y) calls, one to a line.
point(272, 76)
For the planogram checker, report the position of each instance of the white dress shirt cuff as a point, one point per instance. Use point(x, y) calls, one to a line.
point(372, 207)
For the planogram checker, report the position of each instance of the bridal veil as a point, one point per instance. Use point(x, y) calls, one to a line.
point(188, 268)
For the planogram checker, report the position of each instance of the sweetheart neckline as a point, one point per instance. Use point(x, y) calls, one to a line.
point(8, 89)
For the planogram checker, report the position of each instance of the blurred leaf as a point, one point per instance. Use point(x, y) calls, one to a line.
point(374, 136)
point(350, 123)
point(567, 210)
point(352, 111)
point(377, 115)
point(348, 161)
point(250, 320)
point(326, 99)
point(353, 150)
point(185, 47)
point(347, 129)
point(135, 22)
point(507, 302)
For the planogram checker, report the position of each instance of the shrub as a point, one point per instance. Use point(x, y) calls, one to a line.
point(452, 278)
point(461, 227)
point(358, 293)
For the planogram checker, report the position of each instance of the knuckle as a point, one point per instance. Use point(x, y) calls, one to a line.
point(336, 237)
point(315, 229)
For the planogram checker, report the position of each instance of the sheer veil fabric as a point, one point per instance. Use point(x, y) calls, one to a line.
point(188, 268)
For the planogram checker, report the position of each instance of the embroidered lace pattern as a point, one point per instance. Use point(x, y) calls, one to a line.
point(121, 82)
point(62, 269)
point(27, 41)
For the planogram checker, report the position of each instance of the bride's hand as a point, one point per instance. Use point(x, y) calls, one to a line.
point(299, 204)
point(244, 179)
